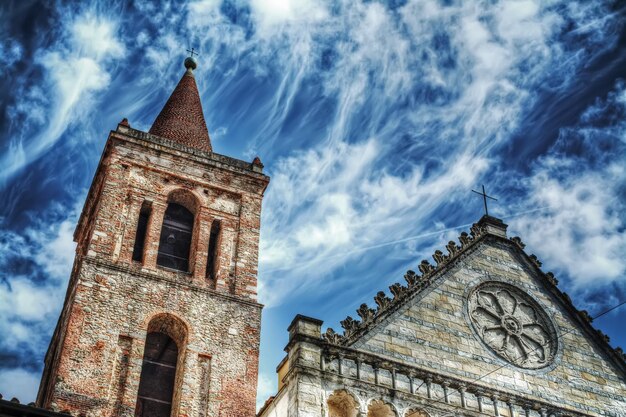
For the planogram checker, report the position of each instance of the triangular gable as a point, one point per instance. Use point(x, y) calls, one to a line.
point(360, 334)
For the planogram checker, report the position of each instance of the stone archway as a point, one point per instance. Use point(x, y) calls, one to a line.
point(379, 408)
point(342, 404)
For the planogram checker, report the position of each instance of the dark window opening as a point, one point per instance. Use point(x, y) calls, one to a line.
point(175, 241)
point(211, 266)
point(142, 228)
point(158, 374)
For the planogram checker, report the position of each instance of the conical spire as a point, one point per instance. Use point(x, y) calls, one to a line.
point(182, 119)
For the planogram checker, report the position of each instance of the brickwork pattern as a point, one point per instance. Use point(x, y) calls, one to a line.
point(182, 119)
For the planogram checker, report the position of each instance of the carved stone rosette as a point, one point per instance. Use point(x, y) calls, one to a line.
point(513, 325)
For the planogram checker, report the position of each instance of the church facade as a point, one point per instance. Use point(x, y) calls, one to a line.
point(161, 315)
point(481, 332)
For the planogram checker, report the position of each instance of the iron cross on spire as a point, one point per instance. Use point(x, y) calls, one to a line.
point(485, 197)
point(192, 52)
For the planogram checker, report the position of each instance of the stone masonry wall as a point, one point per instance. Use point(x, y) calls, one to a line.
point(433, 332)
point(135, 173)
point(423, 361)
point(99, 369)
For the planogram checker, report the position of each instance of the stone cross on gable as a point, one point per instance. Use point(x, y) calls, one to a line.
point(485, 197)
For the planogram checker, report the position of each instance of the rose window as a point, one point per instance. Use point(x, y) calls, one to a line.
point(513, 325)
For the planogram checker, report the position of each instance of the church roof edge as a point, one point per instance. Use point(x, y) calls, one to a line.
point(251, 167)
point(486, 227)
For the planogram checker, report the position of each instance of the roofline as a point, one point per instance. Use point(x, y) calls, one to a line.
point(14, 408)
point(479, 232)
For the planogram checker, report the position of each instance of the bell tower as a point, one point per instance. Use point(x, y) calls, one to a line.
point(161, 315)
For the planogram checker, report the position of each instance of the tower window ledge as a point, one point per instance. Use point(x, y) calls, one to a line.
point(176, 271)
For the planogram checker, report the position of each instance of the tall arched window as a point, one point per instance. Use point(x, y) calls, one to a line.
point(158, 376)
point(175, 241)
point(162, 369)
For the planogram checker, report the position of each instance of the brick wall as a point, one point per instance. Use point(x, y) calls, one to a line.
point(94, 361)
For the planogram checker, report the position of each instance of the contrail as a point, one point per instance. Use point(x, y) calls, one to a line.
point(391, 242)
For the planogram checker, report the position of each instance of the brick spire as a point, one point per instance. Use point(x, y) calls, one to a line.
point(182, 119)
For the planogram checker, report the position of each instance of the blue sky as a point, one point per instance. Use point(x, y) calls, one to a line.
point(374, 119)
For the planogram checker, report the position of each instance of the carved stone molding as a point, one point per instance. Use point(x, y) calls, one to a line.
point(513, 325)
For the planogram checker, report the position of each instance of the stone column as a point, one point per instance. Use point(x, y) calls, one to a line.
point(496, 411)
point(304, 377)
point(135, 362)
point(123, 250)
point(479, 399)
point(340, 364)
point(527, 408)
point(199, 254)
point(227, 277)
point(153, 234)
point(462, 389)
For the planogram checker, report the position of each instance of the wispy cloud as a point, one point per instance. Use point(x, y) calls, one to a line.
point(74, 68)
point(443, 87)
point(581, 181)
point(35, 267)
point(374, 119)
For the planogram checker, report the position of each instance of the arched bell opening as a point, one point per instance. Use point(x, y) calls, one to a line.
point(158, 376)
point(178, 234)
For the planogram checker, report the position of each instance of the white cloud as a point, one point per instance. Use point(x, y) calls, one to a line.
point(95, 36)
point(325, 205)
point(481, 65)
point(24, 299)
point(20, 384)
point(582, 229)
point(271, 16)
point(40, 258)
point(75, 69)
point(11, 51)
point(58, 248)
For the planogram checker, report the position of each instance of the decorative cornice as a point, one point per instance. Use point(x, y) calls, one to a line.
point(332, 352)
point(171, 277)
point(416, 282)
point(249, 168)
